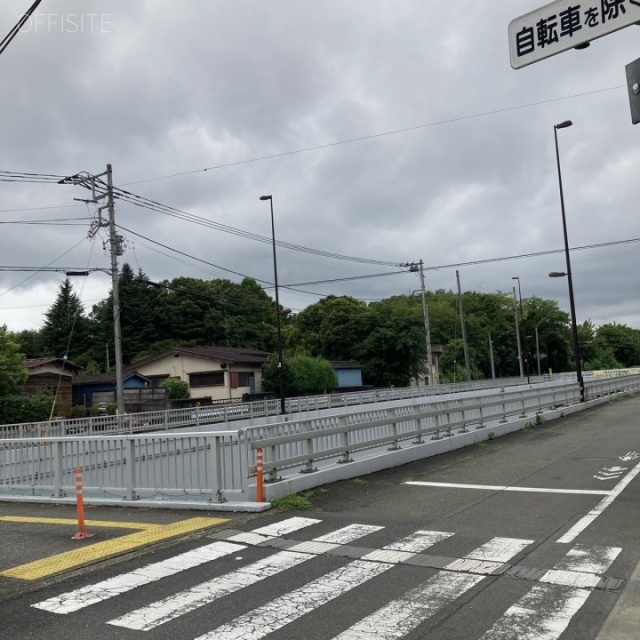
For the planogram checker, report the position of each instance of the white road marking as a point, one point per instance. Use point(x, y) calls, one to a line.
point(488, 487)
point(282, 611)
point(500, 549)
point(581, 566)
point(584, 522)
point(285, 527)
point(542, 614)
point(174, 606)
point(399, 617)
point(177, 605)
point(419, 541)
point(92, 594)
point(589, 559)
point(349, 534)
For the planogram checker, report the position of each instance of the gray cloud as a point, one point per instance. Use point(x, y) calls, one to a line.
point(466, 173)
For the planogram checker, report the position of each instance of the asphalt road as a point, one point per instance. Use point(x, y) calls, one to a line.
point(530, 536)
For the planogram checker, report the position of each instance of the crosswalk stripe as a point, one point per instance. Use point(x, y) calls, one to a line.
point(499, 549)
point(543, 613)
point(589, 559)
point(399, 617)
point(177, 605)
point(282, 611)
point(419, 541)
point(284, 527)
point(75, 600)
point(546, 610)
point(181, 603)
point(92, 594)
point(404, 614)
point(581, 566)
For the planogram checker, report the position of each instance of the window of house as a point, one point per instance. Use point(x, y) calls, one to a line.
point(206, 379)
point(242, 379)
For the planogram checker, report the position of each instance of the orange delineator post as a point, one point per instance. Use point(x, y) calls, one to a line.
point(82, 532)
point(259, 477)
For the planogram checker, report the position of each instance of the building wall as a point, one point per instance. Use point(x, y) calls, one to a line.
point(181, 366)
point(52, 381)
point(349, 377)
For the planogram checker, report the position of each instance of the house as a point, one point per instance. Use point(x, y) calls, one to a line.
point(54, 374)
point(221, 373)
point(348, 374)
point(89, 391)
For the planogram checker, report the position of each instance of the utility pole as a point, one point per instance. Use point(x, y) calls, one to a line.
point(96, 187)
point(115, 246)
point(465, 347)
point(419, 267)
point(493, 366)
point(515, 308)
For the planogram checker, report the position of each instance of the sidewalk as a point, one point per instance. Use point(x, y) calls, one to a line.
point(38, 545)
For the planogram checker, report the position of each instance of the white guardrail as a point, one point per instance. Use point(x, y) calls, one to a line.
point(215, 467)
point(223, 413)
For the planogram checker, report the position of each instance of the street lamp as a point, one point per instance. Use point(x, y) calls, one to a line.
point(558, 274)
point(278, 327)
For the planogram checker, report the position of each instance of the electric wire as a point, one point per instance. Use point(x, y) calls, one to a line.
point(373, 136)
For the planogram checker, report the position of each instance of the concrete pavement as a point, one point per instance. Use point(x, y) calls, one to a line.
point(40, 543)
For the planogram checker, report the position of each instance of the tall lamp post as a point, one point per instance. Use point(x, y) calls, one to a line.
point(556, 274)
point(525, 350)
point(278, 326)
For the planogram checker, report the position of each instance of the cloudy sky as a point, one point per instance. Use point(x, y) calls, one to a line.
point(387, 131)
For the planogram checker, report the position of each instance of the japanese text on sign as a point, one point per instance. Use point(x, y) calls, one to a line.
point(566, 24)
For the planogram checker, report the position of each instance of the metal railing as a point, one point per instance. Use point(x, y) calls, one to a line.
point(213, 467)
point(222, 413)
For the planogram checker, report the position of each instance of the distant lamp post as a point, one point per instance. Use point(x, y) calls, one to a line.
point(567, 273)
point(278, 325)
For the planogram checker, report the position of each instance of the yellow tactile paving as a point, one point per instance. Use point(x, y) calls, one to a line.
point(115, 524)
point(100, 550)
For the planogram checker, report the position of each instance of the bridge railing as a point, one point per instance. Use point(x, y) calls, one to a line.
point(212, 467)
point(222, 413)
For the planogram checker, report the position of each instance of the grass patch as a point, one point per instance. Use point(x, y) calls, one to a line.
point(293, 502)
point(358, 481)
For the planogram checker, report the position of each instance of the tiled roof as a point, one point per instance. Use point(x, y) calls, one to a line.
point(34, 363)
point(230, 355)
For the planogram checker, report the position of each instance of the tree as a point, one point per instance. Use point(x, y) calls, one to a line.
point(394, 350)
point(30, 341)
point(622, 341)
point(178, 389)
point(66, 330)
point(302, 375)
point(332, 328)
point(12, 374)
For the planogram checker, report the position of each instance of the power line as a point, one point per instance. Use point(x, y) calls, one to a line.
point(6, 41)
point(373, 136)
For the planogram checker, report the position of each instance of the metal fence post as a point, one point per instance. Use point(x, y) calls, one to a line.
point(131, 475)
point(216, 489)
point(58, 480)
point(308, 449)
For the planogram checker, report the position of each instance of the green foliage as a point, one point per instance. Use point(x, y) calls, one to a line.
point(619, 341)
point(18, 408)
point(302, 375)
point(311, 375)
point(12, 374)
point(66, 329)
point(292, 502)
point(332, 328)
point(178, 389)
point(30, 341)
